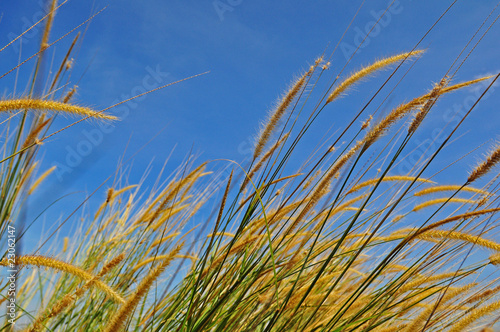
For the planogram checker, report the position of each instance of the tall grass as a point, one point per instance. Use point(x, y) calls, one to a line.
point(343, 243)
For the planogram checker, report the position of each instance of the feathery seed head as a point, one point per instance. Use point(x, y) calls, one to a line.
point(43, 261)
point(65, 246)
point(436, 189)
point(433, 95)
point(69, 64)
point(48, 26)
point(483, 168)
point(70, 94)
point(109, 195)
point(367, 122)
point(443, 200)
point(368, 70)
point(280, 110)
point(495, 259)
point(50, 105)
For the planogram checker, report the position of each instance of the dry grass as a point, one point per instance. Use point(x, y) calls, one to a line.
point(284, 249)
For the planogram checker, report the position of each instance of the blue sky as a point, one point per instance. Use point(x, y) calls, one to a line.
point(253, 49)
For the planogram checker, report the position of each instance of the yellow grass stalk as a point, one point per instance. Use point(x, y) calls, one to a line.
point(69, 64)
point(29, 260)
point(70, 94)
point(457, 86)
point(398, 217)
point(169, 213)
point(368, 70)
point(457, 217)
point(65, 245)
point(419, 321)
point(40, 179)
point(126, 212)
point(283, 179)
point(495, 259)
point(395, 328)
point(122, 190)
point(484, 295)
point(70, 298)
point(52, 105)
point(386, 179)
point(160, 241)
point(442, 200)
point(159, 258)
point(487, 329)
point(366, 123)
point(436, 189)
point(424, 279)
point(148, 214)
point(112, 193)
point(64, 65)
point(421, 297)
point(399, 112)
point(175, 190)
point(109, 197)
point(31, 27)
point(106, 223)
point(434, 94)
point(262, 160)
point(485, 166)
point(195, 209)
point(26, 174)
point(381, 128)
point(33, 135)
point(220, 234)
point(473, 316)
point(396, 268)
point(309, 181)
point(453, 235)
point(27, 288)
point(120, 318)
point(280, 110)
point(48, 26)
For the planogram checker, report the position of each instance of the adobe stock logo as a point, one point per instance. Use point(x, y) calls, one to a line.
point(74, 155)
point(224, 6)
point(27, 23)
point(348, 49)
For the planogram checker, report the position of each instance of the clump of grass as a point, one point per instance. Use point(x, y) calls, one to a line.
point(306, 249)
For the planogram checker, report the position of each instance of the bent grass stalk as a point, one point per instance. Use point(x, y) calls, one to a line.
point(280, 110)
point(56, 264)
point(51, 105)
point(386, 179)
point(437, 189)
point(369, 70)
point(443, 200)
point(70, 298)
